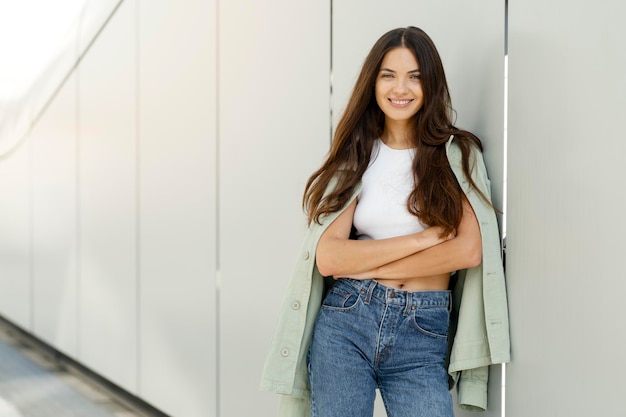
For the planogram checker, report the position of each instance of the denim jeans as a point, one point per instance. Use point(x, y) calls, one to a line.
point(370, 336)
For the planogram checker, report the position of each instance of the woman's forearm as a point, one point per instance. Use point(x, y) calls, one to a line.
point(341, 257)
point(447, 257)
point(463, 251)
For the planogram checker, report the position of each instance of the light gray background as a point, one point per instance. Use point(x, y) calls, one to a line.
point(566, 174)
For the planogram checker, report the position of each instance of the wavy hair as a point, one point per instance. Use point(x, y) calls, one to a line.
point(437, 197)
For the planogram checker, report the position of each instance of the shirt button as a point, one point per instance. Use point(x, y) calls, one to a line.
point(295, 305)
point(306, 255)
point(284, 352)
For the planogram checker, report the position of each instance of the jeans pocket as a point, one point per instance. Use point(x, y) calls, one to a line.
point(341, 299)
point(432, 321)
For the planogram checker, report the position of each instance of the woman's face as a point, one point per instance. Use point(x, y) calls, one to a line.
point(398, 87)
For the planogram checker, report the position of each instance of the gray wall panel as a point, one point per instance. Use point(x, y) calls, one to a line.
point(15, 272)
point(177, 205)
point(108, 207)
point(55, 222)
point(274, 131)
point(566, 172)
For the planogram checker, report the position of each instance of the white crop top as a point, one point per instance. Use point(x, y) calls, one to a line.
point(381, 210)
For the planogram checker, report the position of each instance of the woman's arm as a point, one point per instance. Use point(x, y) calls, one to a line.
point(339, 256)
point(462, 251)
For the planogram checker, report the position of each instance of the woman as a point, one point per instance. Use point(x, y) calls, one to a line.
point(391, 216)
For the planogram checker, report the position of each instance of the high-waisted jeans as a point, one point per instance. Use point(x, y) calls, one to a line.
point(370, 336)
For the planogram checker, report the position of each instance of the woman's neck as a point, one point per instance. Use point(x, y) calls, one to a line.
point(397, 135)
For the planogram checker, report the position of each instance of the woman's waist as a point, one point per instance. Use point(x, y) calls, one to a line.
point(431, 283)
point(427, 296)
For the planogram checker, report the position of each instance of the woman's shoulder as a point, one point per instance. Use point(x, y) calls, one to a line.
point(454, 151)
point(464, 137)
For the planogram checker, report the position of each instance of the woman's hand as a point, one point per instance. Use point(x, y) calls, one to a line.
point(435, 233)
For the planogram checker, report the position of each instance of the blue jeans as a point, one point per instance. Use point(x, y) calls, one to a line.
point(370, 336)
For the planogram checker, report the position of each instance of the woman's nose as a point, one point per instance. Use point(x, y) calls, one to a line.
point(400, 86)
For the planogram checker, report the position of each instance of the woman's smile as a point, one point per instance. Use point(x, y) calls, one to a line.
point(400, 103)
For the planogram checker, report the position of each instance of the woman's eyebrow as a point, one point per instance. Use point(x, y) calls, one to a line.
point(390, 70)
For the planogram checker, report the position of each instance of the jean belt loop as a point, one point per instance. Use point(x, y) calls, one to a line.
point(370, 290)
point(450, 302)
point(409, 303)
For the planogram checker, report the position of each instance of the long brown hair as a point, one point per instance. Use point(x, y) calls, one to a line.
point(437, 197)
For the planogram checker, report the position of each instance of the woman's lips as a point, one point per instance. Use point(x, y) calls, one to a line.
point(400, 102)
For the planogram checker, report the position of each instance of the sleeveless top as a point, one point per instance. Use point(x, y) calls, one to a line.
point(381, 210)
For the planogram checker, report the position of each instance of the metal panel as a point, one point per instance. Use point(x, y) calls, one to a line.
point(177, 205)
point(107, 201)
point(473, 56)
point(274, 132)
point(15, 277)
point(566, 174)
point(54, 217)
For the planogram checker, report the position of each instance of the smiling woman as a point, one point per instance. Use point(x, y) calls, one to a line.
point(398, 217)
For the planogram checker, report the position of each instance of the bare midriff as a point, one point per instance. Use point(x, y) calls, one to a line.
point(432, 283)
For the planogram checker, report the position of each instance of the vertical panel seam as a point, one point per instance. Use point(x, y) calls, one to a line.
point(218, 277)
point(77, 149)
point(505, 182)
point(31, 235)
point(137, 200)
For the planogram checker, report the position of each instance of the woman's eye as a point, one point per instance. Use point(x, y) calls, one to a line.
point(416, 77)
point(386, 76)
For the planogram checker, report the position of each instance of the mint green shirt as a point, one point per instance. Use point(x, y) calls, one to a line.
point(479, 338)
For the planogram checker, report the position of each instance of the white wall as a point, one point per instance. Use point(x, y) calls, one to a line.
point(54, 224)
point(274, 129)
point(15, 239)
point(177, 205)
point(107, 202)
point(566, 207)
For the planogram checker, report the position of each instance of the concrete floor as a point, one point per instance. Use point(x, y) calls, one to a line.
point(34, 384)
